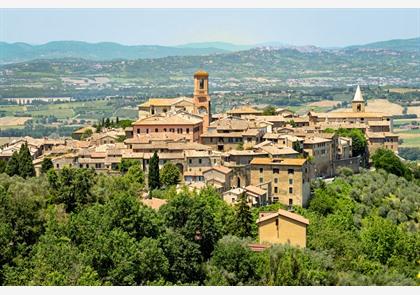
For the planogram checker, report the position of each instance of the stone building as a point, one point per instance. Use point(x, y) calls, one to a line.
point(289, 179)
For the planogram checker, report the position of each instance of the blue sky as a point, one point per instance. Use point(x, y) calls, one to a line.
point(321, 27)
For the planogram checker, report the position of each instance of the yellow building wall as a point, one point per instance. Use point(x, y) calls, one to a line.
point(289, 231)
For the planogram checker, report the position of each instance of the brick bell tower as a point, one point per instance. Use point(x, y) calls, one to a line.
point(201, 99)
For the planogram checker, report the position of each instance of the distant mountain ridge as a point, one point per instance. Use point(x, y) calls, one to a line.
point(412, 44)
point(19, 52)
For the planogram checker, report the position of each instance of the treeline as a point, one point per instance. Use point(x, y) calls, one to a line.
point(412, 154)
point(76, 227)
point(37, 131)
point(110, 123)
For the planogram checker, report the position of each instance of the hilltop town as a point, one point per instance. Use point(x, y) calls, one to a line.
point(268, 158)
point(239, 148)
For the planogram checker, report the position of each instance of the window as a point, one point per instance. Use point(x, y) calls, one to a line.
point(199, 161)
point(58, 166)
point(275, 199)
point(290, 202)
point(138, 131)
point(233, 200)
point(261, 170)
point(156, 130)
point(290, 171)
point(147, 130)
point(276, 190)
point(290, 190)
point(290, 181)
point(190, 161)
point(188, 130)
point(276, 180)
point(261, 180)
point(276, 170)
point(164, 129)
point(201, 83)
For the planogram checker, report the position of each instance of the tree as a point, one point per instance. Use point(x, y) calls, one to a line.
point(269, 111)
point(153, 265)
point(387, 160)
point(184, 258)
point(26, 167)
point(46, 165)
point(154, 178)
point(232, 263)
point(201, 227)
point(125, 164)
point(12, 167)
point(170, 175)
point(107, 123)
point(72, 187)
point(86, 134)
point(243, 217)
point(379, 238)
point(3, 165)
point(289, 266)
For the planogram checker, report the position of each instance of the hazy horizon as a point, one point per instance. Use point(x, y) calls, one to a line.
point(172, 27)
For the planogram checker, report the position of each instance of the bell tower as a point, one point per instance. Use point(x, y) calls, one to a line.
point(201, 99)
point(358, 103)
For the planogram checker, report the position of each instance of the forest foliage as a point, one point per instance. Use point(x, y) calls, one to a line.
point(76, 227)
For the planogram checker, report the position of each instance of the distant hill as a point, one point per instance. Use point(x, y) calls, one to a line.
point(220, 45)
point(397, 44)
point(18, 52)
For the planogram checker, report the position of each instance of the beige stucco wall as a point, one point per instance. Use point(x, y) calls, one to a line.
point(193, 134)
point(288, 231)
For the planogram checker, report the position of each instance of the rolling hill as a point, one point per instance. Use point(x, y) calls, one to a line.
point(19, 52)
point(397, 45)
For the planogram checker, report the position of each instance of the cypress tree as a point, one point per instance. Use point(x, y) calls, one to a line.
point(153, 177)
point(243, 217)
point(3, 165)
point(26, 167)
point(12, 167)
point(46, 165)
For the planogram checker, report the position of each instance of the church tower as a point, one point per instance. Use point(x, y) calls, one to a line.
point(201, 97)
point(358, 103)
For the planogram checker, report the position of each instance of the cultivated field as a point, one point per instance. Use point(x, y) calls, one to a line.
point(414, 110)
point(324, 103)
point(403, 90)
point(13, 121)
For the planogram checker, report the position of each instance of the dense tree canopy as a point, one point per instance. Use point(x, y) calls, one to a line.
point(73, 227)
point(169, 175)
point(387, 160)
